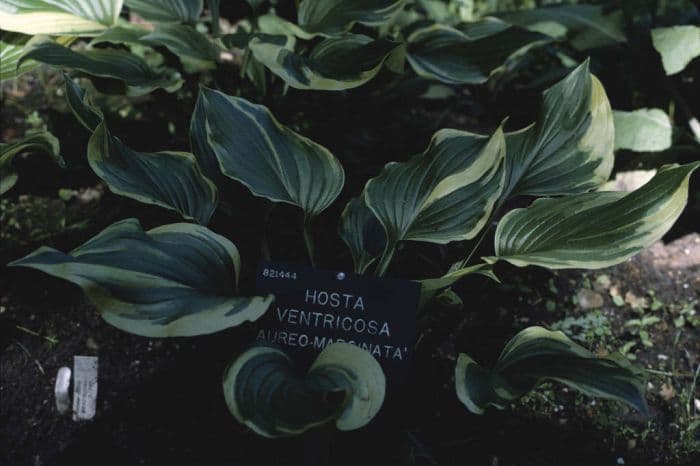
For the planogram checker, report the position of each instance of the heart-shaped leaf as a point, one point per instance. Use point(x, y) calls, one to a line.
point(335, 64)
point(40, 141)
point(174, 280)
point(121, 65)
point(467, 56)
point(59, 17)
point(330, 17)
point(593, 230)
point(168, 179)
point(345, 384)
point(186, 11)
point(445, 194)
point(537, 354)
point(270, 159)
point(570, 147)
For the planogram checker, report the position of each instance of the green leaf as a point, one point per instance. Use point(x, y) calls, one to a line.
point(193, 48)
point(206, 158)
point(172, 180)
point(12, 47)
point(537, 354)
point(643, 130)
point(215, 13)
point(41, 141)
point(58, 17)
point(471, 56)
point(270, 159)
point(570, 149)
point(274, 25)
point(335, 64)
point(121, 65)
point(363, 234)
point(588, 26)
point(186, 11)
point(593, 230)
point(124, 33)
point(331, 17)
point(174, 280)
point(80, 104)
point(678, 46)
point(445, 194)
point(345, 385)
point(430, 286)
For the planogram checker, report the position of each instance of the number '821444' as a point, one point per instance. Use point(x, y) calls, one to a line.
point(284, 274)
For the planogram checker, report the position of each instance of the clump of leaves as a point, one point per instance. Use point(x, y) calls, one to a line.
point(182, 279)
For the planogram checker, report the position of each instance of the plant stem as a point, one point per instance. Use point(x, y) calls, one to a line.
point(265, 243)
point(309, 240)
point(689, 403)
point(476, 246)
point(386, 259)
point(670, 374)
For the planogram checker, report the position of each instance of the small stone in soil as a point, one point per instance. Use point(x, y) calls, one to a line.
point(589, 299)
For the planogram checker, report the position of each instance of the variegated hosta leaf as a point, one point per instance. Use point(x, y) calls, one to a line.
point(335, 64)
point(264, 391)
point(363, 234)
point(536, 354)
point(274, 25)
point(330, 17)
point(124, 33)
point(643, 130)
point(121, 65)
point(677, 45)
point(172, 180)
point(206, 158)
point(41, 141)
point(593, 230)
point(186, 11)
point(570, 147)
point(588, 26)
point(12, 46)
point(270, 159)
point(467, 56)
point(175, 280)
point(193, 48)
point(79, 102)
point(445, 194)
point(59, 17)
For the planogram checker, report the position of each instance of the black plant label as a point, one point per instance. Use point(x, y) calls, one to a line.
point(314, 308)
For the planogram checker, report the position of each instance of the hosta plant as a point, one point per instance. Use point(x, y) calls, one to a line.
point(181, 279)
